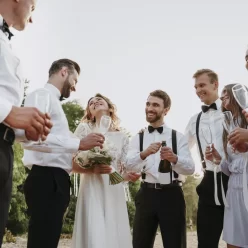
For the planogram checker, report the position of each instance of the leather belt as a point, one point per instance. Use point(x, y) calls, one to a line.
point(175, 183)
point(7, 134)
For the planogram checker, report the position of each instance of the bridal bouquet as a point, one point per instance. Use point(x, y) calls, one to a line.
point(95, 156)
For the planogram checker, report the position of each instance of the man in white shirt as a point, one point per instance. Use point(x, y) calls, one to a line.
point(47, 187)
point(14, 14)
point(160, 200)
point(205, 128)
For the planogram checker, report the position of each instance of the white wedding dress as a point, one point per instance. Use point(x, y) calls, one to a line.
point(101, 219)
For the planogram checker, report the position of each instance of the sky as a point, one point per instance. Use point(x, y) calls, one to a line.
point(128, 48)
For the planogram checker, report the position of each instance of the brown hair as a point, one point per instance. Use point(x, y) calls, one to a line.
point(211, 74)
point(58, 64)
point(112, 109)
point(236, 110)
point(162, 95)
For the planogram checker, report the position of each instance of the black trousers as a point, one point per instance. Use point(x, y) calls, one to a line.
point(163, 207)
point(210, 216)
point(6, 170)
point(47, 193)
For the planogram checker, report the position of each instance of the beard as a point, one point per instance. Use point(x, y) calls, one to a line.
point(153, 119)
point(66, 90)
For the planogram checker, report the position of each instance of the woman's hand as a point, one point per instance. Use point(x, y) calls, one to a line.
point(102, 169)
point(212, 154)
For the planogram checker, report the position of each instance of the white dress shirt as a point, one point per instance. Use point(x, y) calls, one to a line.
point(213, 119)
point(184, 165)
point(11, 78)
point(60, 144)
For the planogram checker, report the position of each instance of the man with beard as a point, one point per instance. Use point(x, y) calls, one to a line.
point(47, 187)
point(160, 199)
point(16, 123)
point(211, 207)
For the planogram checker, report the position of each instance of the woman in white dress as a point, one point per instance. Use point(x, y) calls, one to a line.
point(101, 219)
point(234, 165)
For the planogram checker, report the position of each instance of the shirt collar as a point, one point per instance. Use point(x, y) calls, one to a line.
point(53, 89)
point(218, 103)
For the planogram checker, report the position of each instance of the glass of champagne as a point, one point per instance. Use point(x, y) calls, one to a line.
point(42, 103)
point(105, 123)
point(240, 94)
point(228, 123)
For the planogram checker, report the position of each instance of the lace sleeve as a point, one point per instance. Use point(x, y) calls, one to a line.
point(123, 156)
point(82, 130)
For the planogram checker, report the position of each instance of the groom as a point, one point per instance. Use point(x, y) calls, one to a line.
point(47, 187)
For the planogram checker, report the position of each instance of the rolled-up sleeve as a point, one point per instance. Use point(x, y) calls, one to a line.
point(185, 164)
point(134, 161)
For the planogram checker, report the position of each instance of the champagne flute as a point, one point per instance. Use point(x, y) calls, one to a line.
point(240, 94)
point(228, 123)
point(104, 126)
point(207, 136)
point(105, 123)
point(42, 103)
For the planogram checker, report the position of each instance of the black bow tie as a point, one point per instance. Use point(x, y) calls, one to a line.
point(205, 108)
point(5, 29)
point(151, 129)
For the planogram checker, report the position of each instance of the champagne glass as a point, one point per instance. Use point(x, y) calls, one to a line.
point(105, 123)
point(42, 103)
point(207, 136)
point(240, 94)
point(228, 123)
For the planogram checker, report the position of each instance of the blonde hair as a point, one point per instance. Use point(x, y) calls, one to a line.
point(211, 74)
point(87, 118)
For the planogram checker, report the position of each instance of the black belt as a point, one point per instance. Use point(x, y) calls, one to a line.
point(175, 183)
point(7, 134)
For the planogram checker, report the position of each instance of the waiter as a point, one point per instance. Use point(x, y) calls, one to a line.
point(16, 14)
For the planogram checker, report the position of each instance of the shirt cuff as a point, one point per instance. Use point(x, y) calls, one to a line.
point(5, 108)
point(20, 135)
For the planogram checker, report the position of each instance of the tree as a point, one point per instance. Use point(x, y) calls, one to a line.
point(18, 220)
point(191, 198)
point(74, 113)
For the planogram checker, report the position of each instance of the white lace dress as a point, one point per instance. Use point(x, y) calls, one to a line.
point(101, 219)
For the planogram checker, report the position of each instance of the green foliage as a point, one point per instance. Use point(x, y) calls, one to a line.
point(8, 237)
point(133, 188)
point(191, 198)
point(17, 216)
point(74, 113)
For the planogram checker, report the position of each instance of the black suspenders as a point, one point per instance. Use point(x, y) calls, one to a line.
point(198, 140)
point(174, 148)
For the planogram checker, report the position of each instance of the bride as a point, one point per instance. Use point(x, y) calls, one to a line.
point(101, 219)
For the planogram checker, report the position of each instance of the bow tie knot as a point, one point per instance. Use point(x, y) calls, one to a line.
point(5, 29)
point(205, 108)
point(151, 129)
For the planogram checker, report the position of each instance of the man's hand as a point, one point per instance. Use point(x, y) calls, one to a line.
point(152, 149)
point(168, 154)
point(238, 136)
point(35, 123)
point(90, 141)
point(132, 176)
point(102, 169)
point(212, 154)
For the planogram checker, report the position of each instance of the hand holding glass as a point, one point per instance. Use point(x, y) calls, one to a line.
point(240, 94)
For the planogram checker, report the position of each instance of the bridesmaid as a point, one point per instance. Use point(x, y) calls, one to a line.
point(234, 165)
